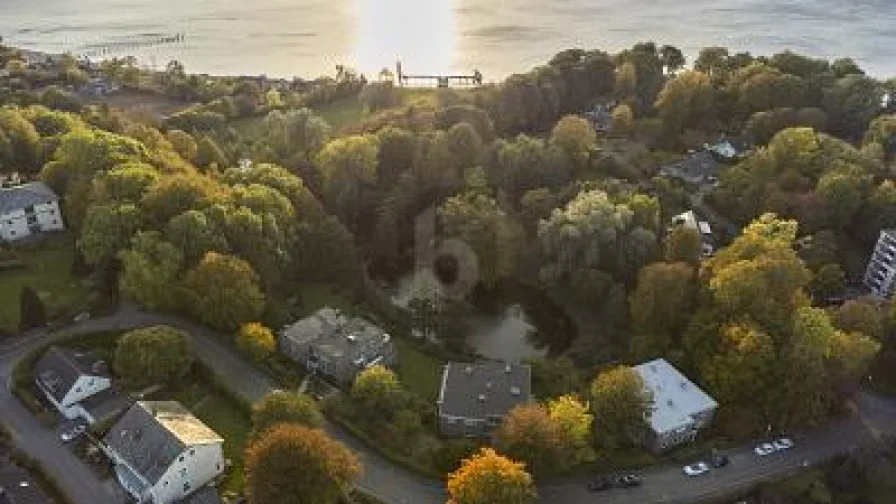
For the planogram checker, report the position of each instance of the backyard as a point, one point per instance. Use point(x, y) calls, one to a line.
point(47, 270)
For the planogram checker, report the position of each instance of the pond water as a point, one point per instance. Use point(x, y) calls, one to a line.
point(505, 333)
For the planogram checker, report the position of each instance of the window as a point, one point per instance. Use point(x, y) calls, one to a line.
point(183, 472)
point(52, 212)
point(180, 459)
point(186, 487)
point(192, 452)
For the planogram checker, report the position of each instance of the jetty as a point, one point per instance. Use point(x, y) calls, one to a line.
point(442, 81)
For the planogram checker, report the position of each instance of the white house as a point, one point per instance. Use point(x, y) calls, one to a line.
point(28, 209)
point(680, 408)
point(880, 277)
point(162, 453)
point(68, 378)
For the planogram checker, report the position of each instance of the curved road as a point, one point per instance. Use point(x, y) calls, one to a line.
point(395, 485)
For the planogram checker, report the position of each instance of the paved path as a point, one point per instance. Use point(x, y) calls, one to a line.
point(394, 485)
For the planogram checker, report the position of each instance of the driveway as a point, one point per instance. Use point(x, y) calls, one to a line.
point(395, 485)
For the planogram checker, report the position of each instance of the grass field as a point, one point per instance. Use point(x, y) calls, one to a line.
point(48, 272)
point(419, 373)
point(229, 420)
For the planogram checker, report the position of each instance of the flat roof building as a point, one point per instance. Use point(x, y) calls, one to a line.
point(880, 277)
point(474, 398)
point(680, 407)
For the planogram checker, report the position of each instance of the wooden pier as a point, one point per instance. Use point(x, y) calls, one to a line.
point(442, 81)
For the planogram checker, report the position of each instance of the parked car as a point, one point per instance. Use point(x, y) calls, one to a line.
point(782, 444)
point(628, 481)
point(764, 449)
point(599, 485)
point(73, 433)
point(696, 469)
point(719, 460)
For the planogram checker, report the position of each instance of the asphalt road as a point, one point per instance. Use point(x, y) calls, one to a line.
point(395, 485)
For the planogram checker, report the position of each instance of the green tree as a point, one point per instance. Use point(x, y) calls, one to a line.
point(256, 341)
point(378, 393)
point(195, 234)
point(828, 281)
point(125, 183)
point(575, 420)
point(687, 101)
point(620, 401)
point(577, 138)
point(21, 139)
point(209, 154)
point(280, 406)
point(184, 144)
point(553, 378)
point(224, 291)
point(292, 464)
point(622, 120)
point(107, 230)
point(489, 478)
point(659, 307)
point(150, 271)
point(851, 103)
point(32, 312)
point(842, 191)
point(683, 244)
point(348, 168)
point(860, 316)
point(672, 58)
point(153, 355)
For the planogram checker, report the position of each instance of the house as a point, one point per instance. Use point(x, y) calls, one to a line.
point(68, 378)
point(680, 408)
point(475, 398)
point(698, 168)
point(99, 87)
point(17, 487)
point(162, 453)
point(728, 149)
point(337, 346)
point(689, 220)
point(880, 277)
point(601, 116)
point(28, 209)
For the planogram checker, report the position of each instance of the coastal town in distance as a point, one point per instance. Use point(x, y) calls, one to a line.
point(645, 275)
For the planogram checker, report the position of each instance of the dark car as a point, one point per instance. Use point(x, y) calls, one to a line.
point(599, 485)
point(719, 460)
point(628, 481)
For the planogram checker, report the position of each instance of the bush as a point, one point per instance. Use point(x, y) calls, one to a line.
point(154, 355)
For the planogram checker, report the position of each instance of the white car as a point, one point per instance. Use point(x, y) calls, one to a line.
point(72, 434)
point(765, 449)
point(782, 444)
point(696, 469)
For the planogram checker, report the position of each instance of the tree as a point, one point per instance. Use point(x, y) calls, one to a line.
point(620, 401)
point(153, 355)
point(828, 281)
point(860, 316)
point(683, 244)
point(577, 138)
point(31, 310)
point(842, 191)
point(575, 420)
point(672, 58)
point(21, 138)
point(378, 393)
point(851, 103)
point(150, 271)
point(184, 144)
point(292, 464)
point(280, 406)
point(107, 230)
point(194, 234)
point(224, 291)
point(622, 120)
point(552, 378)
point(659, 307)
point(209, 154)
point(477, 220)
point(256, 341)
point(489, 478)
point(530, 435)
point(348, 168)
point(125, 183)
point(686, 101)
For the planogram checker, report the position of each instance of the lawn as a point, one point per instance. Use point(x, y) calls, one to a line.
point(420, 373)
point(48, 272)
point(229, 420)
point(319, 295)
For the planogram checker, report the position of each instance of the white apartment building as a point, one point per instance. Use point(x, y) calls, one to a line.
point(28, 209)
point(880, 277)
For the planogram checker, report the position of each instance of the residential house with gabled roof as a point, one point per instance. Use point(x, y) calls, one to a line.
point(474, 398)
point(28, 209)
point(68, 378)
point(162, 453)
point(337, 346)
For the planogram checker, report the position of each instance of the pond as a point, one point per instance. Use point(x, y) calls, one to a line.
point(512, 322)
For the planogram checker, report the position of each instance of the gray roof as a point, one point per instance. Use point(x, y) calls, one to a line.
point(483, 389)
point(60, 368)
point(675, 398)
point(699, 165)
point(17, 487)
point(152, 434)
point(338, 337)
point(21, 196)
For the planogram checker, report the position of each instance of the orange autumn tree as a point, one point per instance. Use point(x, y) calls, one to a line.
point(490, 478)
